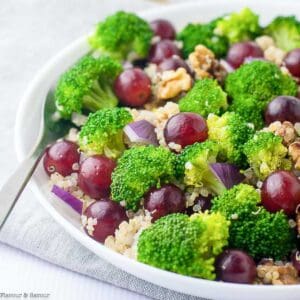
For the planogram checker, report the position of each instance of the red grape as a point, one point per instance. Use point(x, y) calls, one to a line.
point(281, 191)
point(165, 200)
point(240, 51)
point(103, 218)
point(133, 87)
point(174, 63)
point(94, 176)
point(235, 266)
point(61, 157)
point(292, 62)
point(163, 28)
point(162, 50)
point(283, 108)
point(186, 129)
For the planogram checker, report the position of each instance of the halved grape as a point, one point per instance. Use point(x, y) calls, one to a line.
point(163, 28)
point(102, 218)
point(235, 266)
point(133, 87)
point(186, 129)
point(162, 50)
point(61, 157)
point(163, 201)
point(239, 52)
point(94, 176)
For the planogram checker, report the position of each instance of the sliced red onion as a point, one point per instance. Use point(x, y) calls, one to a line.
point(140, 133)
point(68, 198)
point(226, 65)
point(228, 174)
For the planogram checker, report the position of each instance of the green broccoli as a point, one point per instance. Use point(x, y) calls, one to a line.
point(196, 34)
point(103, 132)
point(266, 154)
point(139, 169)
point(285, 31)
point(260, 80)
point(122, 34)
point(192, 166)
point(231, 132)
point(87, 86)
point(205, 97)
point(253, 86)
point(252, 228)
point(250, 110)
point(185, 245)
point(239, 26)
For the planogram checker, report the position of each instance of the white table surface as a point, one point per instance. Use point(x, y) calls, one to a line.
point(31, 32)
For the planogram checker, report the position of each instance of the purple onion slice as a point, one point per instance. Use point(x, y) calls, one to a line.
point(228, 174)
point(68, 198)
point(140, 133)
point(226, 65)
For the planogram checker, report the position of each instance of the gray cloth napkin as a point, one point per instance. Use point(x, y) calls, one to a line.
point(32, 229)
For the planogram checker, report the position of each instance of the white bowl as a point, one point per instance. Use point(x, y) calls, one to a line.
point(27, 129)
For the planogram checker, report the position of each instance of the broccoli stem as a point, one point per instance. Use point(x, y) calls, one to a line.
point(116, 146)
point(213, 183)
point(100, 96)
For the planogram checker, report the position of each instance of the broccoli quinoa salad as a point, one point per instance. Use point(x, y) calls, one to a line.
point(185, 147)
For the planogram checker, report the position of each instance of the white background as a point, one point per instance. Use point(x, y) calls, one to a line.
point(31, 32)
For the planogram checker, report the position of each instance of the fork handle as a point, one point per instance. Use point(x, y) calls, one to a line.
point(14, 186)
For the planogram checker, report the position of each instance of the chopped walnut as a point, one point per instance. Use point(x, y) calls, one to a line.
point(294, 152)
point(274, 54)
point(173, 83)
point(270, 272)
point(201, 61)
point(285, 129)
point(264, 42)
point(271, 52)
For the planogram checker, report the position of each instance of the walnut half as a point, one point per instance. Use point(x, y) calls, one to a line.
point(173, 83)
point(202, 61)
point(294, 152)
point(285, 129)
point(270, 272)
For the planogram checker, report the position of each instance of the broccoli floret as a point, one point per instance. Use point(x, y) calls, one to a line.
point(231, 132)
point(266, 154)
point(252, 228)
point(87, 85)
point(239, 26)
point(122, 34)
point(103, 132)
point(250, 110)
point(205, 97)
point(192, 166)
point(285, 31)
point(185, 245)
point(139, 169)
point(260, 80)
point(196, 34)
point(253, 86)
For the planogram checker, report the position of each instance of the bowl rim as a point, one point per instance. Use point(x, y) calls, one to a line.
point(141, 270)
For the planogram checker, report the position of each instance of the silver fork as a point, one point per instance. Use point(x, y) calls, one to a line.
point(51, 129)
